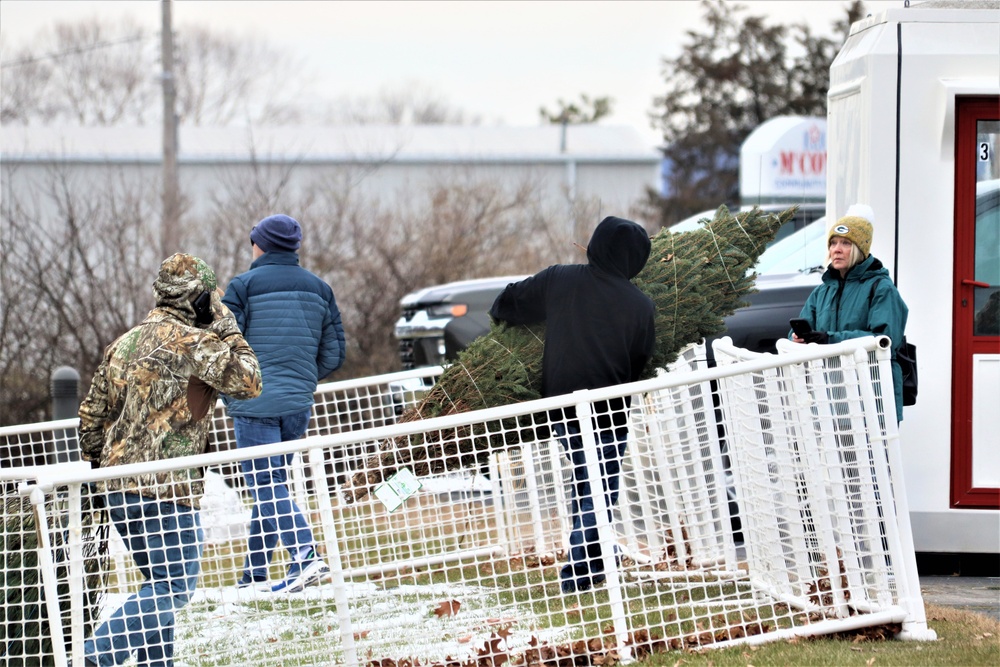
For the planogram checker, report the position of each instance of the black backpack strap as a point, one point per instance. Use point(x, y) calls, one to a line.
point(871, 297)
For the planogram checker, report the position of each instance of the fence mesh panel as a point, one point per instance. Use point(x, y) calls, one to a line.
point(799, 535)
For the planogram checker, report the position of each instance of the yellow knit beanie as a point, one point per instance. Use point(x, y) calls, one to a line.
point(856, 227)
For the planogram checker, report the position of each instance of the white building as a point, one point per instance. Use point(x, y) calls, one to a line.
point(609, 165)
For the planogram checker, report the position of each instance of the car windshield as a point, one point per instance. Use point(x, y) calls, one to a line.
point(804, 250)
point(791, 251)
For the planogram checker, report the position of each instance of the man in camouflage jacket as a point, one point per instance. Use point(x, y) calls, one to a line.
point(152, 398)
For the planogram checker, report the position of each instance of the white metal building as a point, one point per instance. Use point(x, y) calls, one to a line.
point(612, 165)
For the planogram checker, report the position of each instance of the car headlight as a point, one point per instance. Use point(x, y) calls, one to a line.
point(448, 309)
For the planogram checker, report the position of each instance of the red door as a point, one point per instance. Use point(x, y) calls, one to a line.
point(975, 444)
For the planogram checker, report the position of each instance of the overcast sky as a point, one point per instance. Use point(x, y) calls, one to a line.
point(499, 61)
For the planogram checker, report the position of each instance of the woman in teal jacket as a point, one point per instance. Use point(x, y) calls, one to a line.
point(857, 297)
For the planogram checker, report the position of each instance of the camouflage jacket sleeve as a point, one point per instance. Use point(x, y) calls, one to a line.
point(231, 367)
point(93, 414)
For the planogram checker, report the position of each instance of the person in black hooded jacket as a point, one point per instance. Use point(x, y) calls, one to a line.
point(598, 332)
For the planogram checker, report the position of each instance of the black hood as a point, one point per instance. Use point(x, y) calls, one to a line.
point(619, 247)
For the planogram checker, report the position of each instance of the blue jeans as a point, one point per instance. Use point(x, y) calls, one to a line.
point(275, 515)
point(165, 540)
point(585, 549)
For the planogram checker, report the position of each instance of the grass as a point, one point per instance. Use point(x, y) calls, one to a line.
point(964, 639)
point(400, 602)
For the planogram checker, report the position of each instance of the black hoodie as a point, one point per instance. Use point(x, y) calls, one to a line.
point(599, 326)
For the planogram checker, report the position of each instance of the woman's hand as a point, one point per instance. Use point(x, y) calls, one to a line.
point(820, 337)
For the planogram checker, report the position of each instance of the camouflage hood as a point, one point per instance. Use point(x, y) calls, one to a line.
point(154, 394)
point(181, 278)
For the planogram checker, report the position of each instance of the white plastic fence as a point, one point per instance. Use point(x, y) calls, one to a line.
point(348, 405)
point(467, 568)
point(814, 439)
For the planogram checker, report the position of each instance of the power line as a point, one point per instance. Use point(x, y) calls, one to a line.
point(70, 52)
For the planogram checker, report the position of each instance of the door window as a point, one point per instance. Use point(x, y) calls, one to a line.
point(986, 320)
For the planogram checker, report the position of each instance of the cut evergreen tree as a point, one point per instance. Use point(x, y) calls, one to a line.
point(25, 633)
point(695, 280)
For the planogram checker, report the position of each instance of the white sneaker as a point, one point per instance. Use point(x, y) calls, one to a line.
point(301, 574)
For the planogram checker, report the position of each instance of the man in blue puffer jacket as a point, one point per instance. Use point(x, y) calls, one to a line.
point(290, 318)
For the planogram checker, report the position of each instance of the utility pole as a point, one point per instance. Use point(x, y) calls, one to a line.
point(171, 206)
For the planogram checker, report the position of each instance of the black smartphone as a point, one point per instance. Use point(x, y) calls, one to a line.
point(800, 326)
point(203, 308)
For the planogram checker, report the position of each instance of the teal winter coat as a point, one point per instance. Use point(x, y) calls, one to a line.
point(865, 303)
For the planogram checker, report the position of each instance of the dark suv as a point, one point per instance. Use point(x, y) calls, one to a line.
point(460, 309)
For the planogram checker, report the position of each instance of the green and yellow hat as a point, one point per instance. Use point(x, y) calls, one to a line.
point(856, 227)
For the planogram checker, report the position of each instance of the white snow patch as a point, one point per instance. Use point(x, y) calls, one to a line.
point(247, 626)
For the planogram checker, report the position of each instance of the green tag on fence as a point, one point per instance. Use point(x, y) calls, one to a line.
point(394, 491)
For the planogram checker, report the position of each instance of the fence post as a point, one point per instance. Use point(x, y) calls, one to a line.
point(65, 394)
point(49, 581)
point(605, 532)
point(317, 464)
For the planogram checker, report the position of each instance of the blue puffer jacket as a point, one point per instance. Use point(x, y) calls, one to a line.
point(291, 320)
point(865, 303)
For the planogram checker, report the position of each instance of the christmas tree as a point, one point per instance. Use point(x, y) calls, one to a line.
point(26, 637)
point(695, 279)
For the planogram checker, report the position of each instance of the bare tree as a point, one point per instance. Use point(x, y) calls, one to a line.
point(222, 79)
point(88, 72)
point(23, 93)
point(244, 196)
point(77, 270)
point(78, 253)
point(410, 103)
point(95, 73)
point(459, 228)
point(103, 86)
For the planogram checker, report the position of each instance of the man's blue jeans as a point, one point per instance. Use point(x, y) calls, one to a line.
point(165, 540)
point(275, 515)
point(585, 549)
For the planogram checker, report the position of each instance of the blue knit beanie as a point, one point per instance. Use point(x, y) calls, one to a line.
point(277, 232)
